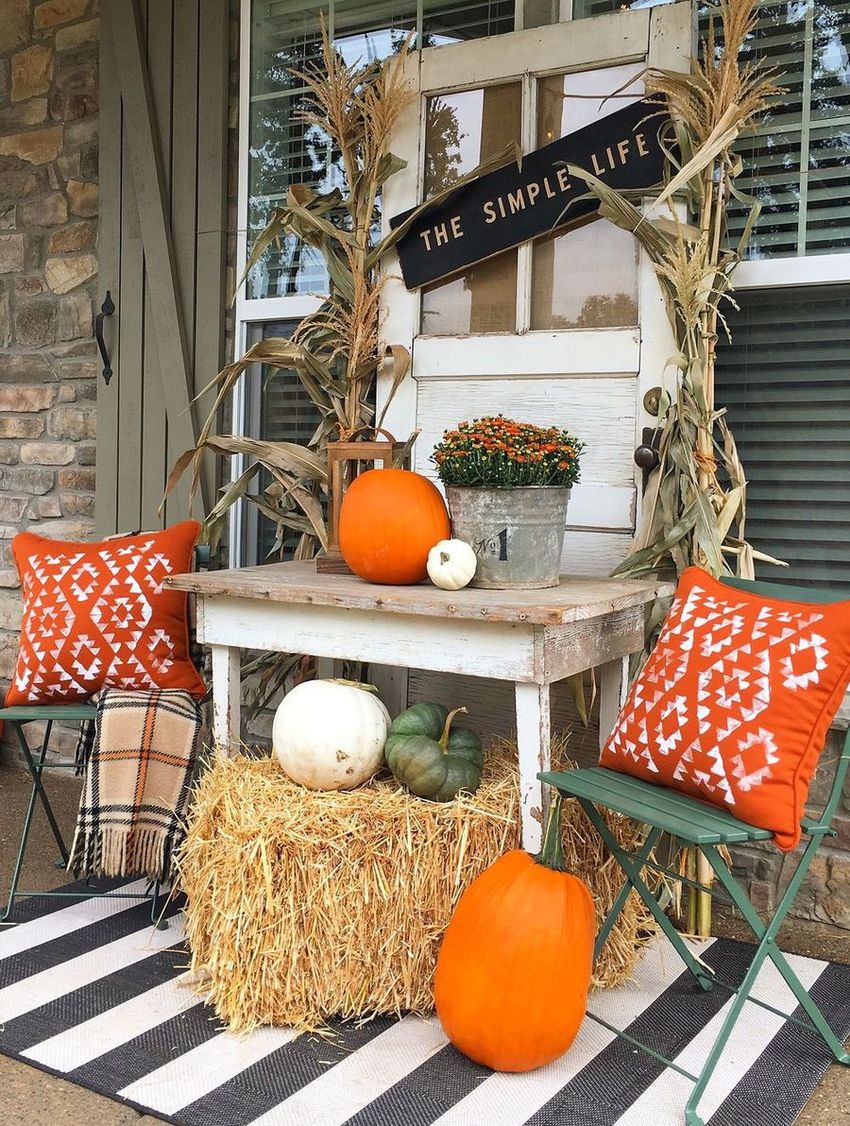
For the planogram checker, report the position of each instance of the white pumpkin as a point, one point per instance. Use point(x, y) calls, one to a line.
point(330, 734)
point(451, 564)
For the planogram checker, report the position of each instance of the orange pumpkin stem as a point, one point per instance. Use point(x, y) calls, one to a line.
point(444, 738)
point(552, 853)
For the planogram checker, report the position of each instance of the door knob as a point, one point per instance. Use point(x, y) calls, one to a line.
point(646, 458)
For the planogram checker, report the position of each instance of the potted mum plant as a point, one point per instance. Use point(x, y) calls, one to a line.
point(508, 485)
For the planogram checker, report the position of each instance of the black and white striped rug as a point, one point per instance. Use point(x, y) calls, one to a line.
point(91, 992)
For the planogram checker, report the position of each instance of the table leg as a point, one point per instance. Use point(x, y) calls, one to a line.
point(613, 686)
point(532, 727)
point(226, 697)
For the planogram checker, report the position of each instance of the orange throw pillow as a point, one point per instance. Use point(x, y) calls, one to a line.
point(734, 703)
point(95, 616)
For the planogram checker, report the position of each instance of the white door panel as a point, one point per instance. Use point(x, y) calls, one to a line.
point(577, 352)
point(599, 411)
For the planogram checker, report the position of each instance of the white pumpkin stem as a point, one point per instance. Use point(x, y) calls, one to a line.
point(444, 738)
point(351, 684)
point(444, 557)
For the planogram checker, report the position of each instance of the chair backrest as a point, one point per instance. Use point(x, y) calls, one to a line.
point(816, 597)
point(782, 590)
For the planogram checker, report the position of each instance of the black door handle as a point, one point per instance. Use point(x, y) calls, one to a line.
point(106, 310)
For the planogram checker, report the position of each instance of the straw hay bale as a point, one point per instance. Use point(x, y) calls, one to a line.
point(306, 905)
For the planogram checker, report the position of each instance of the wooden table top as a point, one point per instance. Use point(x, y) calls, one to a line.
point(574, 599)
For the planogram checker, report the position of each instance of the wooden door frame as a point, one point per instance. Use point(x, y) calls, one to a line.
point(664, 37)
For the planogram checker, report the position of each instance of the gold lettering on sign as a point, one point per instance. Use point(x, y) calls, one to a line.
point(528, 195)
point(516, 201)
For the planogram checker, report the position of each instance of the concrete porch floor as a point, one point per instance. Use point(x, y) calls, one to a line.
point(32, 1098)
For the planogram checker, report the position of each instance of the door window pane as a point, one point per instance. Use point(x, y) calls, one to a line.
point(462, 130)
point(585, 278)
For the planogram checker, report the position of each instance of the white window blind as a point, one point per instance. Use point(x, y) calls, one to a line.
point(798, 162)
point(786, 383)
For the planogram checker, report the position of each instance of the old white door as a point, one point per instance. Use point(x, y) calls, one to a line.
point(566, 331)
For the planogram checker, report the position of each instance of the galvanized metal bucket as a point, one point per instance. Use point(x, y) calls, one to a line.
point(516, 533)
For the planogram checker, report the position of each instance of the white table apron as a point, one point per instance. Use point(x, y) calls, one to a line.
point(530, 655)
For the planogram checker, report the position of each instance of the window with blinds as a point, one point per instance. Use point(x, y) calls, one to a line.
point(284, 151)
point(785, 380)
point(798, 162)
point(279, 410)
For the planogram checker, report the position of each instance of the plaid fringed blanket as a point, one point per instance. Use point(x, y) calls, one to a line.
point(139, 754)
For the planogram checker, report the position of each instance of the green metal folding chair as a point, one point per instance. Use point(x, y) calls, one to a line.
point(706, 828)
point(36, 763)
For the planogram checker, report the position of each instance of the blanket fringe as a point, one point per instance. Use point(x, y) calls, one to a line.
point(122, 852)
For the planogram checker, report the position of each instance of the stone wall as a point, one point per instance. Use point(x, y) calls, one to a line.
point(48, 269)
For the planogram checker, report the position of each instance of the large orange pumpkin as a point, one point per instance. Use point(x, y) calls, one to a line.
point(514, 969)
point(390, 520)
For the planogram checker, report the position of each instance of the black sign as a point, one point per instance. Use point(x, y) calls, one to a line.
point(510, 205)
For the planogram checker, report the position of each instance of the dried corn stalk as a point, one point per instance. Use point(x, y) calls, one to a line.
point(695, 504)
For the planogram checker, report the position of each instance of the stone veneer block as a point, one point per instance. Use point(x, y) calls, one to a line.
point(65, 274)
point(11, 253)
point(67, 38)
point(54, 12)
point(36, 146)
point(43, 211)
point(78, 236)
point(83, 196)
point(32, 72)
point(14, 24)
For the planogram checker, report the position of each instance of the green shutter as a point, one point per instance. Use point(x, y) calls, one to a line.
point(785, 380)
point(161, 249)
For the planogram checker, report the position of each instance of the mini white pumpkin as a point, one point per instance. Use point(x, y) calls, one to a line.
point(451, 564)
point(330, 734)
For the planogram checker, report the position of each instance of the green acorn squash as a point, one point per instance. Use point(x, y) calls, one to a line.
point(429, 756)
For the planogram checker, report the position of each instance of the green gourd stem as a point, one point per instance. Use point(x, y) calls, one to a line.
point(552, 853)
point(444, 738)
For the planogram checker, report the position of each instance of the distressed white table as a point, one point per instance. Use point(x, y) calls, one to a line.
point(528, 637)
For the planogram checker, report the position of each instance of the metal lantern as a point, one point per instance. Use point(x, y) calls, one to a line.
point(346, 459)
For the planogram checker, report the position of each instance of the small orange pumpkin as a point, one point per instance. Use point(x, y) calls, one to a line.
point(389, 521)
point(513, 972)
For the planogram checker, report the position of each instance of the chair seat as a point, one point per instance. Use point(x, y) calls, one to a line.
point(28, 714)
point(681, 816)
